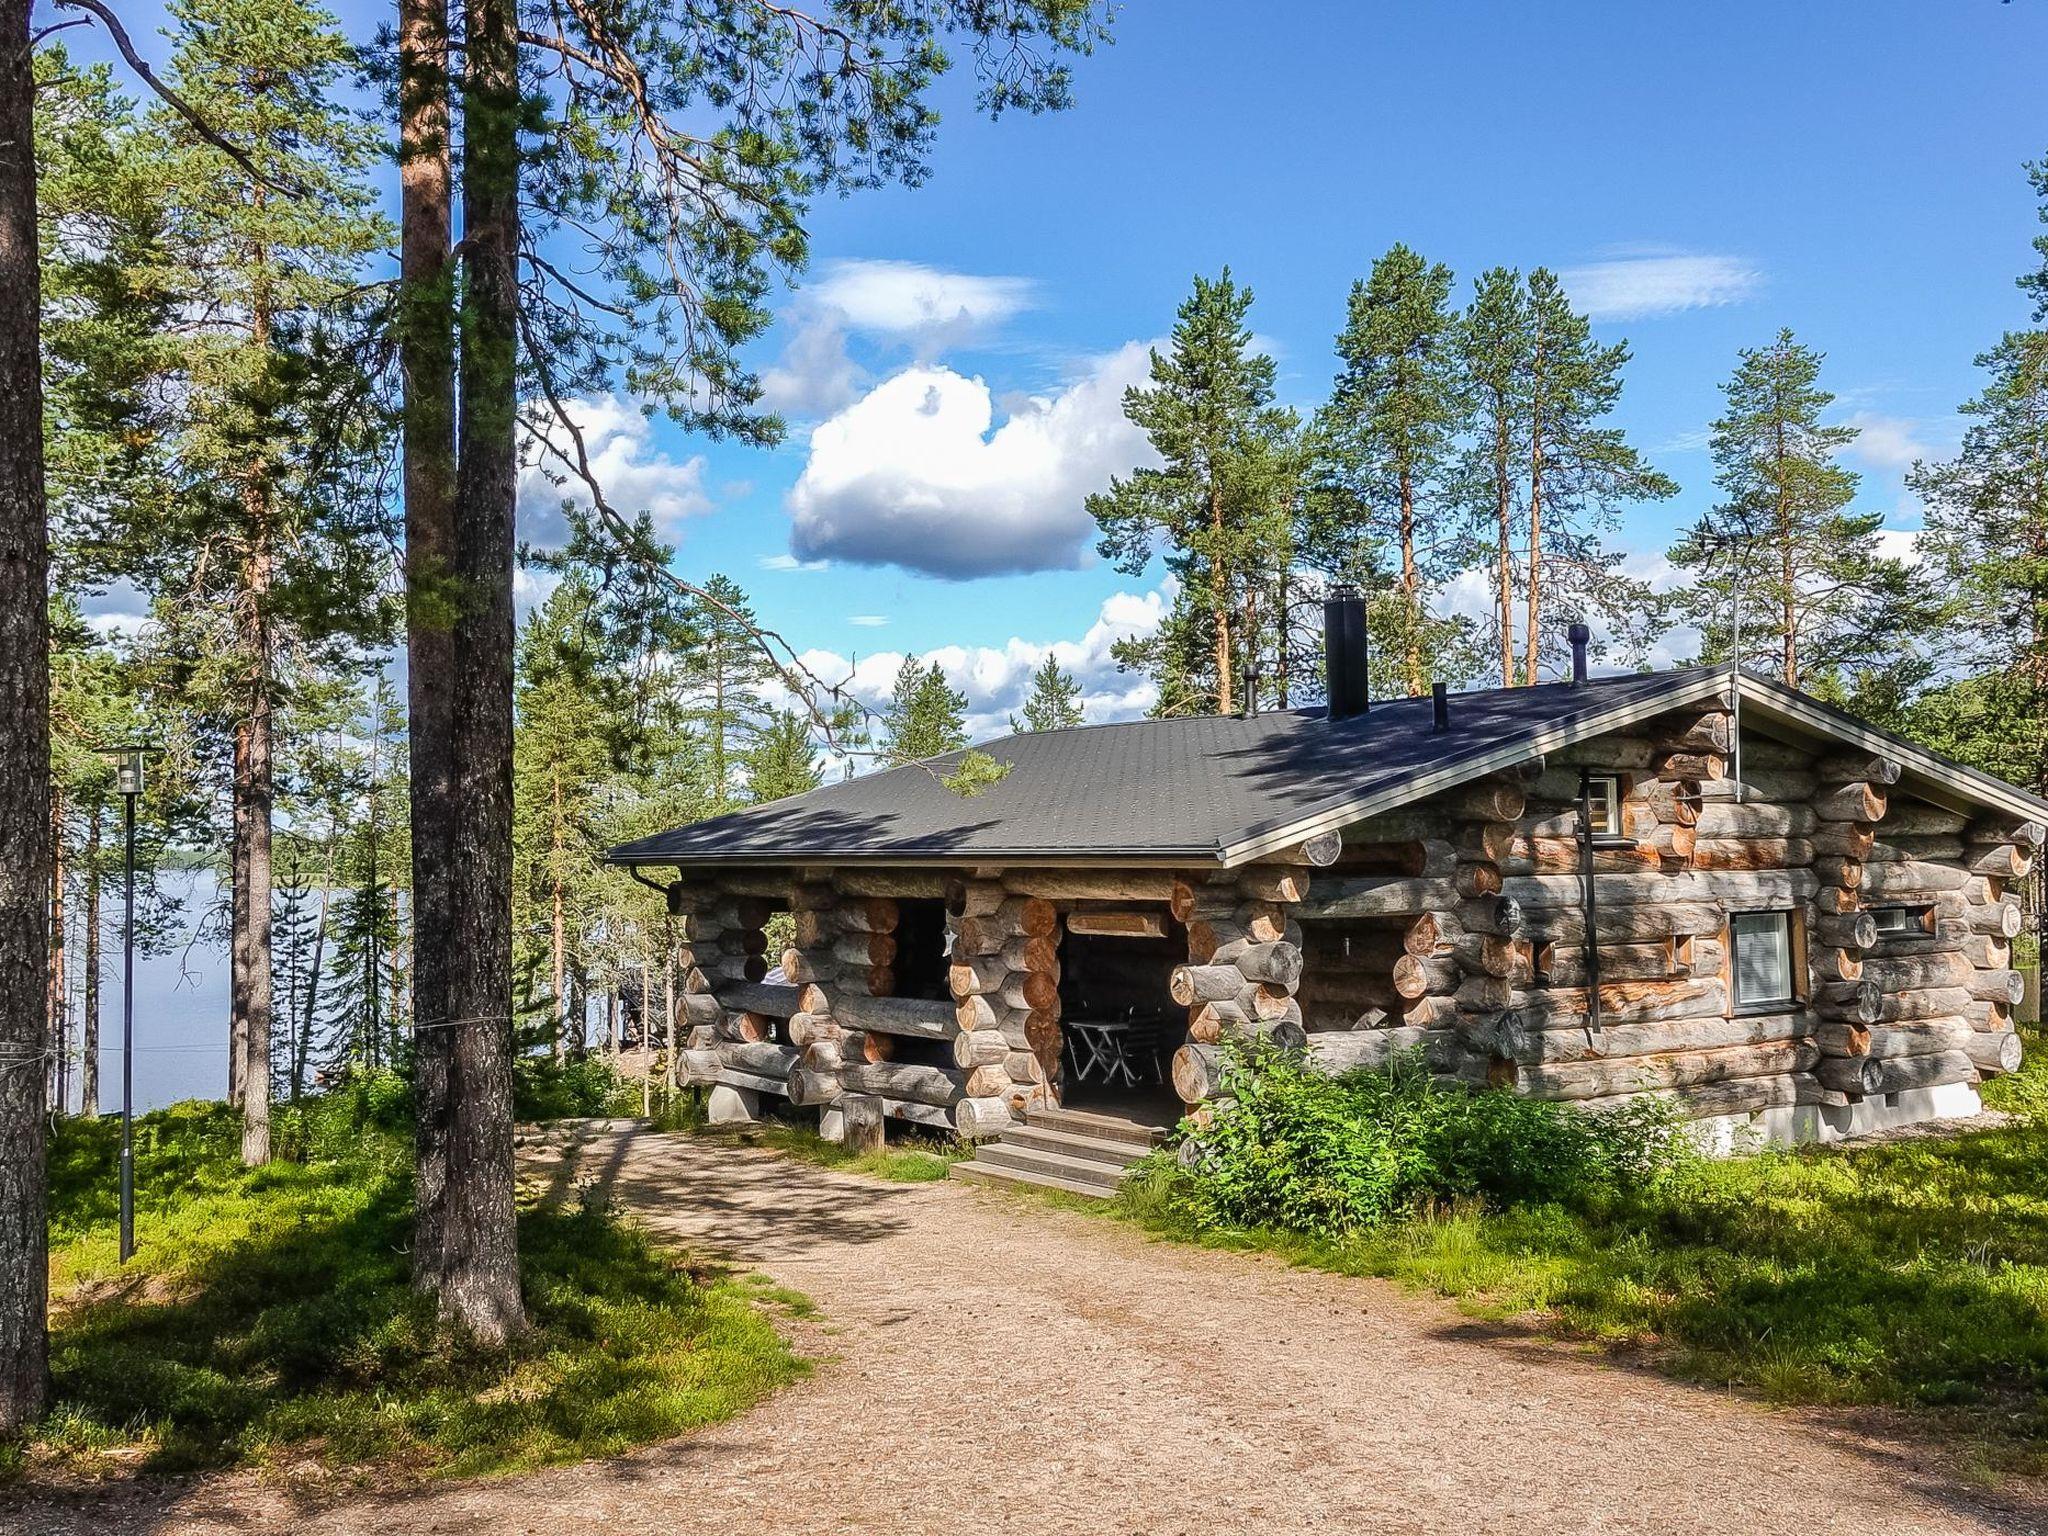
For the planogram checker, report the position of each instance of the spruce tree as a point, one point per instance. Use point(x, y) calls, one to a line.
point(1210, 416)
point(926, 716)
point(1384, 439)
point(726, 668)
point(1579, 475)
point(1816, 590)
point(779, 761)
point(1055, 702)
point(1987, 534)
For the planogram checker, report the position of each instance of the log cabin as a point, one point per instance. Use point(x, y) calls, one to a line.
point(1696, 884)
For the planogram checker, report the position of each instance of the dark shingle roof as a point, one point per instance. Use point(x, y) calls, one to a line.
point(1166, 789)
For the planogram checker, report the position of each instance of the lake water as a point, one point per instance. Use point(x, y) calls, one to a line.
point(181, 1005)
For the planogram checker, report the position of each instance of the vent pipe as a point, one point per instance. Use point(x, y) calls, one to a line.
point(1440, 708)
point(1580, 635)
point(1344, 652)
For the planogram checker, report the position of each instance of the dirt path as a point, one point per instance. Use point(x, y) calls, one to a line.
point(997, 1366)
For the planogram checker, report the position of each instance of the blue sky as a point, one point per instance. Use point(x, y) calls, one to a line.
point(1702, 175)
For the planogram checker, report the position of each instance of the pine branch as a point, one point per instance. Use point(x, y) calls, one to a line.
point(178, 103)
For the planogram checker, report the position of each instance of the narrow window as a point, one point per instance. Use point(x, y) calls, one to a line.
point(1603, 795)
point(1897, 920)
point(1761, 959)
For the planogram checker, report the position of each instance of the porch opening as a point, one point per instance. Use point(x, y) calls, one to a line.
point(1119, 1023)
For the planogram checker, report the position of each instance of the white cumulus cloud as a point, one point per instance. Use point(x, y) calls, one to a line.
point(636, 475)
point(1635, 285)
point(1892, 442)
point(917, 474)
point(908, 298)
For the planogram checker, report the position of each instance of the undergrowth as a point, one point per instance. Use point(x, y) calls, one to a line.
point(268, 1321)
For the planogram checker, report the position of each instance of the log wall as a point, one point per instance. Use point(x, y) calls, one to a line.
point(1457, 927)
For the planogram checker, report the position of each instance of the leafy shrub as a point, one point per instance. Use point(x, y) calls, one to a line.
point(1292, 1147)
point(546, 1089)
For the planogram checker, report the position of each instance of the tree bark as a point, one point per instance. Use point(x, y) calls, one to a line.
point(60, 1031)
point(89, 1041)
point(238, 920)
point(1219, 605)
point(426, 350)
point(254, 792)
point(1534, 637)
point(24, 752)
point(1411, 587)
point(480, 1277)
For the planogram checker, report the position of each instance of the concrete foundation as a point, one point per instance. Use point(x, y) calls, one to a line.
point(1799, 1124)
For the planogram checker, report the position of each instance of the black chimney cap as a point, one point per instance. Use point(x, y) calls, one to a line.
point(1344, 653)
point(1580, 633)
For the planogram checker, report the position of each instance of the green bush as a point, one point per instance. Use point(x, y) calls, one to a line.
point(1292, 1147)
point(546, 1089)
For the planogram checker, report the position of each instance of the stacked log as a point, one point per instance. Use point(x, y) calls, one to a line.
point(1245, 966)
point(1005, 981)
point(1508, 824)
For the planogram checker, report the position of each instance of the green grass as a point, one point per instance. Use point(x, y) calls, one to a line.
point(267, 1320)
point(1911, 1275)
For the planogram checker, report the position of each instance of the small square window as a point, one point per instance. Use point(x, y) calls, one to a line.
point(1900, 919)
point(1761, 959)
point(1603, 798)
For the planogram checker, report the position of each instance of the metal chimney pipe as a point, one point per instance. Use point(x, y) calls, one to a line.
point(1440, 708)
point(1580, 635)
point(1344, 653)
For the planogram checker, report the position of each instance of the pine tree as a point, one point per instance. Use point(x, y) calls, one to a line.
point(779, 761)
point(1987, 533)
point(1579, 475)
point(1210, 416)
point(1814, 586)
point(1383, 440)
point(560, 763)
point(1055, 702)
point(926, 716)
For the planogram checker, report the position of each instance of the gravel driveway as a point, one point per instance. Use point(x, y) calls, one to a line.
point(992, 1365)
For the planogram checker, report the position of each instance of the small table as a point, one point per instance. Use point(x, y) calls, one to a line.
point(1113, 1052)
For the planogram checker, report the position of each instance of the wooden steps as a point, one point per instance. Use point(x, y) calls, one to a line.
point(1070, 1150)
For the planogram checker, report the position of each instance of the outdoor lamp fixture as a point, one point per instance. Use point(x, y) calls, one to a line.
point(128, 783)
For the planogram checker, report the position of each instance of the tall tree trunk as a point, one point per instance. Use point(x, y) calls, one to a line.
point(1532, 653)
point(1504, 573)
point(559, 935)
point(426, 350)
point(89, 1041)
point(238, 919)
point(302, 1048)
point(480, 1284)
point(1284, 618)
point(255, 789)
point(60, 1014)
point(1219, 606)
point(1411, 587)
point(24, 753)
point(1789, 618)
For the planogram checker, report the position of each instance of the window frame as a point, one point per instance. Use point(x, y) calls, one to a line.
point(1795, 956)
point(1610, 801)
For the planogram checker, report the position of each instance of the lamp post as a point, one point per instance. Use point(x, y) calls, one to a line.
point(128, 778)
